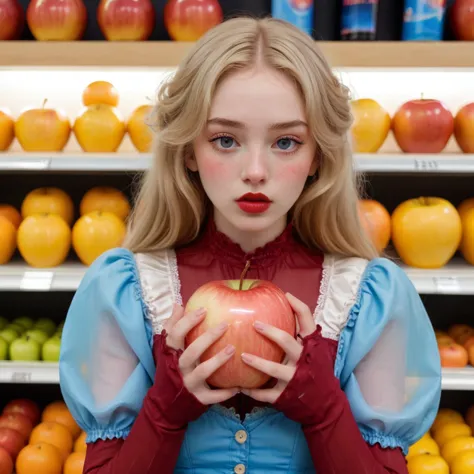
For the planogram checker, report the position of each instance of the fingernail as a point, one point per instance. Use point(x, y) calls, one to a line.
point(223, 325)
point(230, 349)
point(247, 357)
point(259, 326)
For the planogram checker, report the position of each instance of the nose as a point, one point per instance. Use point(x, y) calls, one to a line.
point(255, 167)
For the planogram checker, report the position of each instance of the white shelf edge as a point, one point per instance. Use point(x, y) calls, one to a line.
point(134, 162)
point(458, 379)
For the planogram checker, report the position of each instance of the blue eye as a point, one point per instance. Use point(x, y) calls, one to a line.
point(285, 143)
point(225, 142)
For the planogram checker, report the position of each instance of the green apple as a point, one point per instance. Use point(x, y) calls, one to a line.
point(25, 349)
point(38, 335)
point(47, 325)
point(17, 327)
point(24, 321)
point(51, 350)
point(3, 349)
point(3, 322)
point(9, 335)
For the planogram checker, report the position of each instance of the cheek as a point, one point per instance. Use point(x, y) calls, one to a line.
point(294, 172)
point(211, 168)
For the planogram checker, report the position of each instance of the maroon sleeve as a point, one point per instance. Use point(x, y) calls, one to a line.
point(155, 439)
point(315, 399)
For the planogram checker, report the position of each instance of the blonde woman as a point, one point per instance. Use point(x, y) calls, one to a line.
point(252, 168)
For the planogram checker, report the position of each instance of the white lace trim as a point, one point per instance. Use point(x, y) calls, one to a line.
point(161, 287)
point(338, 293)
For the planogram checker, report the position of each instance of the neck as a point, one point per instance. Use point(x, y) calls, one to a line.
point(249, 240)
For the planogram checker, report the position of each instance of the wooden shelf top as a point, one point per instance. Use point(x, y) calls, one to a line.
point(163, 54)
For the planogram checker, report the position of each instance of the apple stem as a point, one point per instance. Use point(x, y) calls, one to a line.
point(422, 96)
point(242, 276)
point(44, 102)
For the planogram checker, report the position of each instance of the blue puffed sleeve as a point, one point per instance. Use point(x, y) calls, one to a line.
point(388, 361)
point(106, 364)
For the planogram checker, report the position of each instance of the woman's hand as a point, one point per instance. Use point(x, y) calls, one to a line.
point(195, 374)
point(293, 348)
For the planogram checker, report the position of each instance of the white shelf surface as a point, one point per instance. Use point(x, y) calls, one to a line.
point(456, 278)
point(117, 162)
point(48, 373)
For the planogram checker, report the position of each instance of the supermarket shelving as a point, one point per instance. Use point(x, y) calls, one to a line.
point(456, 278)
point(130, 162)
point(166, 54)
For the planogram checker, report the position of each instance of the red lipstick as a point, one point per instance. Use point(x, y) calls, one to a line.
point(254, 203)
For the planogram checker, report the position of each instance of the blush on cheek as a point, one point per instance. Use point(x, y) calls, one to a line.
point(293, 172)
point(212, 168)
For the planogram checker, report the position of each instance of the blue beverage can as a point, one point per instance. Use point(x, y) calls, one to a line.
point(423, 20)
point(359, 19)
point(297, 12)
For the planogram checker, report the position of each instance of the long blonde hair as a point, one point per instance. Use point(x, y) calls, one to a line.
point(172, 205)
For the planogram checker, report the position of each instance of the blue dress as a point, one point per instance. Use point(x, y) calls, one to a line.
point(387, 362)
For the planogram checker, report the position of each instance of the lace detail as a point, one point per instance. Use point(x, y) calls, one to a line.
point(339, 286)
point(160, 284)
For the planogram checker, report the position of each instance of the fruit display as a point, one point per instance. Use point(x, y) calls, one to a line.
point(376, 221)
point(25, 339)
point(12, 20)
point(464, 128)
point(40, 441)
point(456, 345)
point(7, 129)
point(462, 19)
point(47, 230)
point(138, 129)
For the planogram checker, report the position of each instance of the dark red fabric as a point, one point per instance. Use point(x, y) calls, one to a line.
point(333, 437)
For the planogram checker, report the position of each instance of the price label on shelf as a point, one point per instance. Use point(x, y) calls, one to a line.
point(447, 285)
point(36, 281)
point(426, 165)
point(21, 377)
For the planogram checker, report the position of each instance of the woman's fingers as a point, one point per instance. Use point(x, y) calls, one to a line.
point(193, 352)
point(279, 371)
point(210, 397)
point(176, 315)
point(303, 314)
point(287, 342)
point(177, 333)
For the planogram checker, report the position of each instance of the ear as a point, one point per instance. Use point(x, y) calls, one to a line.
point(314, 165)
point(191, 162)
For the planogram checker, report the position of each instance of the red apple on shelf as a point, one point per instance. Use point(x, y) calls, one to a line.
point(240, 303)
point(188, 20)
point(464, 128)
point(6, 462)
point(12, 19)
point(18, 422)
point(57, 20)
point(12, 441)
point(462, 19)
point(126, 20)
point(25, 407)
point(422, 126)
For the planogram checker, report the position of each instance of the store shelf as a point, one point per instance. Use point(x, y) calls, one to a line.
point(117, 162)
point(102, 54)
point(458, 379)
point(29, 372)
point(457, 278)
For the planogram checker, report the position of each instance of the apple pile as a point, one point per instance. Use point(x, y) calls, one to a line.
point(447, 448)
point(40, 441)
point(456, 345)
point(26, 340)
point(45, 231)
point(419, 126)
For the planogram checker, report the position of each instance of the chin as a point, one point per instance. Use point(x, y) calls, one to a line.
point(255, 222)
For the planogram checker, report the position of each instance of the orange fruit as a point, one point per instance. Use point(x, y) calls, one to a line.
point(80, 445)
point(39, 458)
point(58, 412)
point(44, 240)
point(450, 431)
point(7, 129)
point(11, 214)
point(376, 221)
point(463, 463)
point(54, 434)
point(74, 463)
point(105, 199)
point(95, 233)
point(466, 246)
point(8, 240)
point(423, 446)
point(455, 446)
point(465, 207)
point(138, 130)
point(444, 416)
point(48, 200)
point(100, 92)
point(427, 464)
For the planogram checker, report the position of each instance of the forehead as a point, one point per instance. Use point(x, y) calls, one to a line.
point(258, 94)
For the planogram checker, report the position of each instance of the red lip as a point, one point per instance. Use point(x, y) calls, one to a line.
point(254, 197)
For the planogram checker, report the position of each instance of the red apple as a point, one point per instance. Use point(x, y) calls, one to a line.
point(126, 20)
point(18, 422)
point(462, 19)
point(464, 128)
point(12, 441)
point(188, 20)
point(24, 407)
point(6, 462)
point(240, 303)
point(422, 126)
point(12, 19)
point(57, 20)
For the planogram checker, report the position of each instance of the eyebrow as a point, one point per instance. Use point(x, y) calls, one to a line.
point(274, 126)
